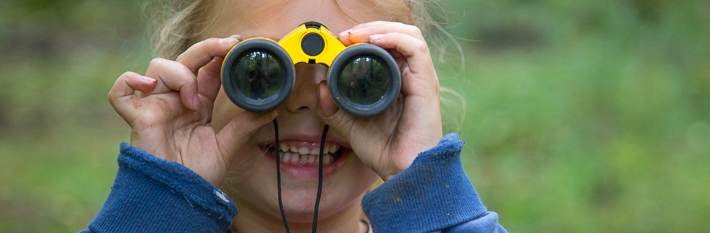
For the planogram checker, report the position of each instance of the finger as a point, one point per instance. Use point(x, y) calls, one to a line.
point(331, 114)
point(396, 55)
point(362, 32)
point(205, 51)
point(122, 95)
point(173, 76)
point(240, 129)
point(326, 106)
point(419, 76)
point(405, 44)
point(208, 79)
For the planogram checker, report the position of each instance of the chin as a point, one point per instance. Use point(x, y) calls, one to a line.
point(341, 189)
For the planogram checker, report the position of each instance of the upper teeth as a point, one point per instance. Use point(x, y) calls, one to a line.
point(305, 150)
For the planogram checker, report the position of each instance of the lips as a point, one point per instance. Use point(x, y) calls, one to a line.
point(299, 158)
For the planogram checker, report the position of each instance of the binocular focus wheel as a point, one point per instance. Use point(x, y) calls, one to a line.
point(378, 90)
point(258, 75)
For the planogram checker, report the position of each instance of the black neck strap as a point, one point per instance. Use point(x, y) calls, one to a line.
point(320, 177)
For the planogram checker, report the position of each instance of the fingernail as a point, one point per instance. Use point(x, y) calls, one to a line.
point(147, 79)
point(227, 41)
point(345, 34)
point(196, 101)
point(376, 38)
point(358, 30)
point(274, 115)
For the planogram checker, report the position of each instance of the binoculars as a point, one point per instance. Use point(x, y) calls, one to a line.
point(258, 74)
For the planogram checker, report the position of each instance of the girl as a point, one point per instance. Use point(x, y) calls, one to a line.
point(187, 138)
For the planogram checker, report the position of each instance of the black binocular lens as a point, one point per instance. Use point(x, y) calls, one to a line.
point(364, 80)
point(258, 75)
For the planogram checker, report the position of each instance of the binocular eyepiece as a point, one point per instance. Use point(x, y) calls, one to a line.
point(258, 74)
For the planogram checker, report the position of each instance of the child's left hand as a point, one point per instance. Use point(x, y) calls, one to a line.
point(388, 143)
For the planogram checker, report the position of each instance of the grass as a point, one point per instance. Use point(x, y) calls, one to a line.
point(592, 125)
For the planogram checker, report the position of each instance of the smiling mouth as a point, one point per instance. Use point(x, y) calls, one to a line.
point(306, 154)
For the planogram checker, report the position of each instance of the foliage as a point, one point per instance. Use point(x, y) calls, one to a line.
point(581, 116)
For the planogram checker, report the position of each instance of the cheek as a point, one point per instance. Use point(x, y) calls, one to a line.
point(348, 186)
point(244, 166)
point(358, 179)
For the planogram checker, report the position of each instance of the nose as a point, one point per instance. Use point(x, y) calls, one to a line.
point(304, 96)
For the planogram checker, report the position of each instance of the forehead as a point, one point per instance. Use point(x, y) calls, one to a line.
point(275, 18)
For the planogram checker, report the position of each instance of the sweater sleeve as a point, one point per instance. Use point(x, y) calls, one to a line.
point(433, 195)
point(155, 195)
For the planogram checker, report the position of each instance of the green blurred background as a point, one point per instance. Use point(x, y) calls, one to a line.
point(581, 116)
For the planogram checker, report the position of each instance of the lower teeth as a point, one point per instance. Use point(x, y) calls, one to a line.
point(294, 158)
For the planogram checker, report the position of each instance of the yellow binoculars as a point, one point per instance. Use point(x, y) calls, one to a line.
point(258, 74)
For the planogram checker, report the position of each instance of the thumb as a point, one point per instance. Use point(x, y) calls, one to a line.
point(240, 129)
point(331, 114)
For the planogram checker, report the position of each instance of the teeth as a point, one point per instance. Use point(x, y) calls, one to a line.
point(303, 151)
point(293, 155)
point(334, 148)
point(327, 159)
point(296, 158)
point(286, 157)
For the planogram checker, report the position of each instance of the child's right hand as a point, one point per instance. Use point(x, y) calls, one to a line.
point(171, 117)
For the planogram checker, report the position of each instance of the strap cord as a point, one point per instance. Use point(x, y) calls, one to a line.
point(320, 178)
point(278, 175)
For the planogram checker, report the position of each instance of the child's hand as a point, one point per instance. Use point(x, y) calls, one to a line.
point(171, 117)
point(389, 143)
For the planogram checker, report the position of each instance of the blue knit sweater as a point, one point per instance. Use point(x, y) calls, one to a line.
point(154, 195)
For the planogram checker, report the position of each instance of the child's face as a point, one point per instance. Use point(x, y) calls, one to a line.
point(252, 179)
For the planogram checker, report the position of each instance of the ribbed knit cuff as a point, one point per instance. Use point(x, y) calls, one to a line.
point(434, 193)
point(154, 195)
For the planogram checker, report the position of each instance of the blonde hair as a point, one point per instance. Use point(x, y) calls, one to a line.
point(175, 25)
